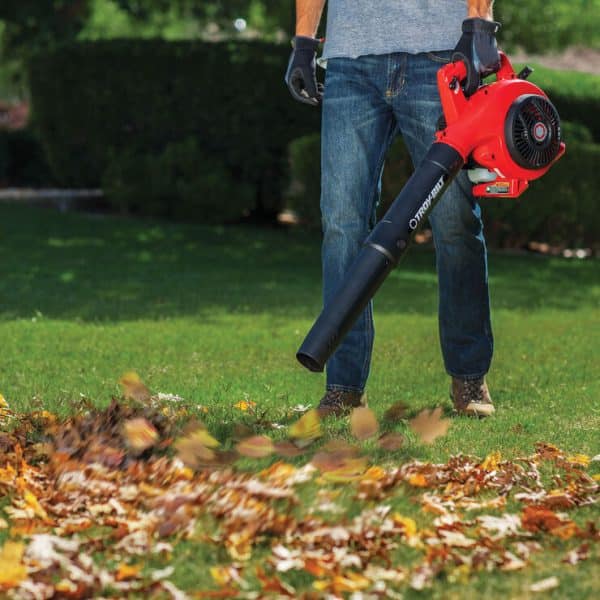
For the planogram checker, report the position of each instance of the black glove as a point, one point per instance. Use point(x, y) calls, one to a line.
point(477, 48)
point(301, 74)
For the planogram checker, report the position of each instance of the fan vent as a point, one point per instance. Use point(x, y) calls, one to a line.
point(533, 131)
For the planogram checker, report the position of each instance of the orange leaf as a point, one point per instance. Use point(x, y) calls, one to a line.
point(363, 423)
point(258, 446)
point(429, 425)
point(127, 571)
point(418, 480)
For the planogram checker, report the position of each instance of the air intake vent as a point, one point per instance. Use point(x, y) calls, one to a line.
point(533, 131)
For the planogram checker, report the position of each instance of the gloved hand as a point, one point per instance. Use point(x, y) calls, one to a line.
point(301, 74)
point(477, 48)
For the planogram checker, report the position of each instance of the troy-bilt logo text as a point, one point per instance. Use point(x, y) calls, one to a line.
point(437, 188)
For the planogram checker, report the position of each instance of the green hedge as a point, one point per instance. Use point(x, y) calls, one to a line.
point(95, 102)
point(22, 160)
point(561, 207)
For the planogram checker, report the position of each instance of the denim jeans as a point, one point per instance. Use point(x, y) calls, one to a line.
point(368, 101)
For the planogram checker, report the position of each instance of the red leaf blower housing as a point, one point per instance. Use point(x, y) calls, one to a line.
point(508, 130)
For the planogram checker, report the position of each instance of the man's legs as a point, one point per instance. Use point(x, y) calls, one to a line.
point(358, 126)
point(464, 309)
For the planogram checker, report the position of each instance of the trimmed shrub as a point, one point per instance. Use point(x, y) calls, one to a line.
point(94, 101)
point(305, 187)
point(22, 160)
point(180, 183)
point(559, 207)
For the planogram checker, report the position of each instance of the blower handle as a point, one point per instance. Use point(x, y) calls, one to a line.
point(381, 252)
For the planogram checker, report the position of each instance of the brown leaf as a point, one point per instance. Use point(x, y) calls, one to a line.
point(429, 425)
point(258, 446)
point(391, 441)
point(133, 387)
point(287, 449)
point(363, 423)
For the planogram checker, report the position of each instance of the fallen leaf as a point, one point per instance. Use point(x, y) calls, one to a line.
point(133, 387)
point(245, 405)
point(139, 434)
point(352, 469)
point(429, 425)
point(12, 571)
point(258, 446)
point(363, 423)
point(545, 585)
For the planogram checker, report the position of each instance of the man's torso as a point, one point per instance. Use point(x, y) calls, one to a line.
point(359, 27)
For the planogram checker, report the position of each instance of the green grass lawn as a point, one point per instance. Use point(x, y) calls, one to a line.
point(215, 315)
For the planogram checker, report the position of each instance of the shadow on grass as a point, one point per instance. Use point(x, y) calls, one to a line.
point(96, 268)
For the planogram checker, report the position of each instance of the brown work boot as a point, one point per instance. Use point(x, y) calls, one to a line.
point(339, 402)
point(471, 397)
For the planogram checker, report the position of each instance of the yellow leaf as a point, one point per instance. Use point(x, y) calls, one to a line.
point(321, 585)
point(3, 402)
point(245, 405)
point(352, 582)
point(12, 572)
point(579, 459)
point(307, 427)
point(491, 461)
point(363, 423)
point(140, 434)
point(352, 470)
point(133, 387)
point(410, 527)
point(206, 439)
point(33, 503)
point(221, 575)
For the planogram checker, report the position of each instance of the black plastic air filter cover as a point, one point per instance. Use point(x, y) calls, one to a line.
point(532, 131)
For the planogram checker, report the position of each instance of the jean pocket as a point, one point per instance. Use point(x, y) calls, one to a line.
point(443, 57)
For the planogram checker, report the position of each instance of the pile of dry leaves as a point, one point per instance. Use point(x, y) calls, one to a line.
point(94, 502)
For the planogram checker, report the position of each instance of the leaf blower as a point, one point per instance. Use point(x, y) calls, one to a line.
point(507, 132)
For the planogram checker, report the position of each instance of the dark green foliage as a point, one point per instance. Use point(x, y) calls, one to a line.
point(575, 95)
point(22, 161)
point(543, 25)
point(179, 183)
point(559, 207)
point(94, 101)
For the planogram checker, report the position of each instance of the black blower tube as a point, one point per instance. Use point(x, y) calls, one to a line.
point(381, 252)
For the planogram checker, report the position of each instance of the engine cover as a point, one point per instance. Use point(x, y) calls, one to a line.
point(508, 126)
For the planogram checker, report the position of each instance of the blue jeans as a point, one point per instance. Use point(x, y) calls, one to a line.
point(367, 102)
